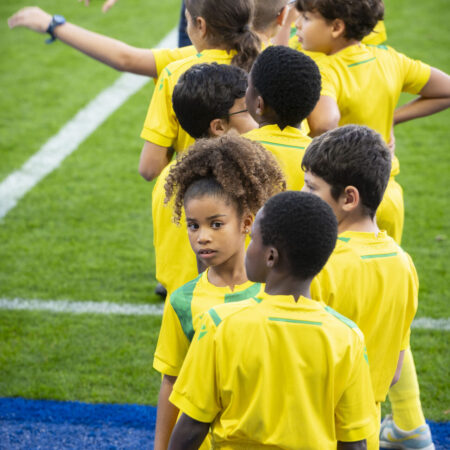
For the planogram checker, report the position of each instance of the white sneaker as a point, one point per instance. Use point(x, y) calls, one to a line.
point(393, 437)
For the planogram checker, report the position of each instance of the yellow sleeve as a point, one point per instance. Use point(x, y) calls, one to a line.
point(172, 344)
point(355, 413)
point(161, 125)
point(196, 391)
point(415, 74)
point(164, 56)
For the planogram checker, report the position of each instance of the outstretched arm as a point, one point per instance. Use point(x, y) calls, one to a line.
point(111, 52)
point(434, 97)
point(188, 434)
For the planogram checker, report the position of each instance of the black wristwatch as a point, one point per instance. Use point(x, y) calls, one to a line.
point(57, 20)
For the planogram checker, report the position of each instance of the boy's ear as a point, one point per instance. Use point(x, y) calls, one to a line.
point(259, 106)
point(282, 16)
point(350, 199)
point(272, 257)
point(217, 127)
point(337, 28)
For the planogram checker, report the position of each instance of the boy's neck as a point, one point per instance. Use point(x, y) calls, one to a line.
point(282, 284)
point(362, 223)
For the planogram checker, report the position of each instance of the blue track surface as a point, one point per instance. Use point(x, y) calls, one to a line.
point(36, 424)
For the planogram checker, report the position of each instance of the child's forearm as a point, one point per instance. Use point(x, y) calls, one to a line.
point(188, 434)
point(112, 52)
point(166, 415)
point(420, 107)
point(434, 97)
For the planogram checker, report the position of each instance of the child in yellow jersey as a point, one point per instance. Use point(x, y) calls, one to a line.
point(220, 32)
point(283, 88)
point(368, 278)
point(361, 84)
point(209, 101)
point(220, 183)
point(280, 370)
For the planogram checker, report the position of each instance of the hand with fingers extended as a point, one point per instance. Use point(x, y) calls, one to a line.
point(106, 6)
point(31, 17)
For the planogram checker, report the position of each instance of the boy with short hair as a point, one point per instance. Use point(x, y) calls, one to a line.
point(283, 88)
point(243, 353)
point(368, 278)
point(361, 84)
point(209, 100)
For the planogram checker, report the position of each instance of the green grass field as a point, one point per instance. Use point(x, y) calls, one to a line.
point(84, 232)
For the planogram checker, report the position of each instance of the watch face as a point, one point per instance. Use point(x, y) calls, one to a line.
point(58, 20)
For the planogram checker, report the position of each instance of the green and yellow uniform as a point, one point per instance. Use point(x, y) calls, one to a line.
point(371, 280)
point(287, 146)
point(165, 56)
point(277, 374)
point(181, 317)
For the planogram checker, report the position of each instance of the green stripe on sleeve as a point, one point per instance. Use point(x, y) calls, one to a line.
point(250, 292)
point(381, 255)
point(342, 318)
point(214, 316)
point(301, 322)
point(344, 239)
point(181, 300)
point(361, 62)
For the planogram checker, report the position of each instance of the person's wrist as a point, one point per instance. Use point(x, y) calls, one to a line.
point(56, 21)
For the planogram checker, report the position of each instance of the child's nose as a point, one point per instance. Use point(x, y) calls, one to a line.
point(203, 235)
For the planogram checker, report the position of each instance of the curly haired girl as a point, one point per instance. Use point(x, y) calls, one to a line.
point(221, 183)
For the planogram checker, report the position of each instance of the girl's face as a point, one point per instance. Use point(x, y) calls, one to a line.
point(216, 231)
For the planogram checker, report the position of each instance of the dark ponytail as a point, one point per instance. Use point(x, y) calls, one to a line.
point(228, 24)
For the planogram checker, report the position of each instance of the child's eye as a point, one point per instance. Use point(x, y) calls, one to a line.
point(216, 225)
point(192, 226)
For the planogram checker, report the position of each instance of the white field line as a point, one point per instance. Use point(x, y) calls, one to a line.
point(72, 134)
point(67, 306)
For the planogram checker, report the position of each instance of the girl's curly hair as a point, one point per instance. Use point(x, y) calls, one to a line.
point(245, 171)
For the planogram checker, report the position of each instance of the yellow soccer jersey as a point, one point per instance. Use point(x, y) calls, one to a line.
point(288, 147)
point(366, 83)
point(161, 126)
point(181, 317)
point(371, 280)
point(176, 263)
point(277, 374)
point(165, 56)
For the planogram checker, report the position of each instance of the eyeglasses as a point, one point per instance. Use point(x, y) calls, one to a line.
point(237, 112)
